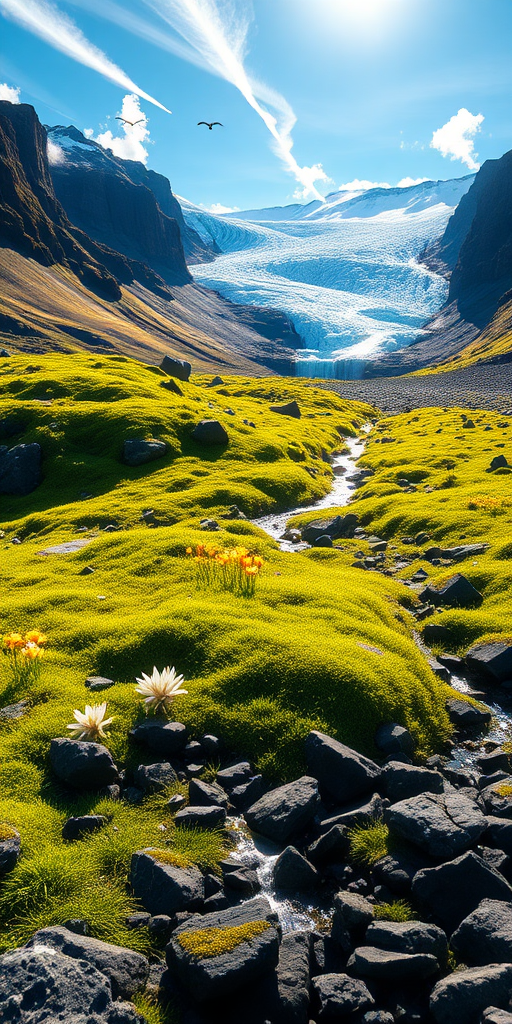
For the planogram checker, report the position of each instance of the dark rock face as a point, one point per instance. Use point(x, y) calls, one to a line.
point(404, 780)
point(384, 965)
point(332, 846)
point(499, 832)
point(75, 828)
point(498, 462)
point(206, 794)
point(285, 811)
point(441, 825)
point(82, 765)
point(493, 662)
point(452, 891)
point(394, 739)
point(409, 937)
point(210, 432)
point(126, 970)
point(485, 937)
point(290, 409)
point(136, 453)
point(463, 996)
point(20, 469)
point(340, 526)
point(342, 773)
point(154, 778)
point(37, 986)
point(292, 871)
point(466, 716)
point(340, 997)
point(498, 800)
point(201, 817)
point(163, 888)
point(179, 368)
point(165, 738)
point(397, 870)
point(236, 775)
point(10, 850)
point(355, 813)
point(213, 977)
point(457, 592)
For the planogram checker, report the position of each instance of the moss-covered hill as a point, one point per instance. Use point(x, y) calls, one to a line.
point(319, 645)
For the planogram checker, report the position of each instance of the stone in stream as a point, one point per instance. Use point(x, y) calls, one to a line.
point(243, 796)
point(126, 970)
point(39, 984)
point(285, 811)
point(485, 936)
point(342, 772)
point(467, 716)
point(82, 765)
point(443, 825)
point(163, 888)
point(248, 948)
point(386, 965)
point(496, 761)
point(451, 891)
point(165, 738)
point(409, 937)
point(280, 996)
point(340, 997)
point(463, 996)
point(491, 662)
point(292, 871)
point(336, 528)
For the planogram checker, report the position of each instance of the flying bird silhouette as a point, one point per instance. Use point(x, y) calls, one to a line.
point(124, 120)
point(210, 124)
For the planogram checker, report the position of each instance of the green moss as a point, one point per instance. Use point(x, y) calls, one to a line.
point(368, 842)
point(399, 911)
point(208, 942)
point(503, 789)
point(176, 860)
point(7, 832)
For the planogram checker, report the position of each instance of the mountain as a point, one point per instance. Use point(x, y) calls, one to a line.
point(347, 273)
point(475, 254)
point(123, 205)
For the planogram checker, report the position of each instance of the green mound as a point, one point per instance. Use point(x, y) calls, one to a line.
point(316, 647)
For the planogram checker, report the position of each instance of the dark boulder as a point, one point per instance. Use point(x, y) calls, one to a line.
point(352, 913)
point(462, 997)
point(244, 881)
point(201, 817)
point(76, 828)
point(241, 959)
point(449, 892)
point(243, 796)
point(236, 775)
point(457, 592)
point(394, 739)
point(210, 432)
point(20, 469)
point(165, 738)
point(403, 781)
point(126, 970)
point(356, 813)
point(342, 772)
point(285, 811)
point(443, 825)
point(499, 833)
point(396, 870)
point(137, 452)
point(492, 662)
point(323, 542)
point(82, 765)
point(333, 845)
point(206, 794)
point(289, 409)
point(340, 997)
point(496, 761)
point(466, 716)
point(409, 937)
point(498, 462)
point(385, 965)
point(170, 385)
point(178, 368)
point(10, 849)
point(337, 528)
point(485, 936)
point(154, 778)
point(292, 871)
point(498, 798)
point(163, 888)
point(40, 985)
point(98, 683)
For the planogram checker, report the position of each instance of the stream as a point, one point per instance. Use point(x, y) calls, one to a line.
point(311, 911)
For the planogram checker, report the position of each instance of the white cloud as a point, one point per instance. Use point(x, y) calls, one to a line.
point(456, 138)
point(129, 145)
point(215, 32)
point(219, 209)
point(11, 93)
point(45, 20)
point(89, 133)
point(408, 182)
point(362, 185)
point(56, 154)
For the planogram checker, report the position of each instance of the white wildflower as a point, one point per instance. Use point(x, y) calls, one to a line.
point(160, 688)
point(91, 724)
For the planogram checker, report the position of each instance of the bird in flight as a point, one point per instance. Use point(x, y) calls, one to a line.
point(210, 124)
point(132, 123)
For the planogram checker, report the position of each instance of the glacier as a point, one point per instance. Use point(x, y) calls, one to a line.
point(346, 272)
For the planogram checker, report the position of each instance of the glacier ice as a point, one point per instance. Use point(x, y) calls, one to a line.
point(346, 272)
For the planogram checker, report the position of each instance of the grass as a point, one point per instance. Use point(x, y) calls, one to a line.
point(315, 647)
point(399, 911)
point(369, 842)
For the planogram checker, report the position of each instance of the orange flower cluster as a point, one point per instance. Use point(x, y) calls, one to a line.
point(485, 503)
point(233, 569)
point(24, 652)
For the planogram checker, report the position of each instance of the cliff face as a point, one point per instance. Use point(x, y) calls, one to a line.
point(123, 205)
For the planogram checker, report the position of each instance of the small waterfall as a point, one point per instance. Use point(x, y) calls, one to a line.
point(330, 369)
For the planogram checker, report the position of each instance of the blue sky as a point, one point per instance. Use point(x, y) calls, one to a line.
point(369, 82)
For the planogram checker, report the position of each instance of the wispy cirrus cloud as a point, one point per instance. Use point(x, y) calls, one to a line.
point(11, 93)
point(44, 19)
point(456, 138)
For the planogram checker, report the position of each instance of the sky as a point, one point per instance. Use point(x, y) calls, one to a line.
point(313, 95)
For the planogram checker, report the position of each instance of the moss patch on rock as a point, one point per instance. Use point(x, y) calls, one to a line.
point(208, 942)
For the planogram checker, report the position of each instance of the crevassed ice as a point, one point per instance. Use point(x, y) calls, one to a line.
point(352, 284)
